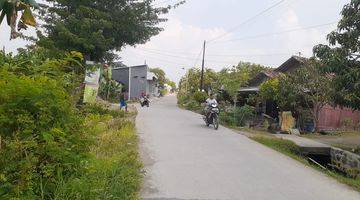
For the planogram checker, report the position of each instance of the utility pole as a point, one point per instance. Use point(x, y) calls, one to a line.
point(202, 69)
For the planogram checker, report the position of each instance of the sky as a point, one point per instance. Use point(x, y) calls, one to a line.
point(289, 28)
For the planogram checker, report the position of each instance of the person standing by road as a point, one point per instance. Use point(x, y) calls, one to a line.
point(123, 103)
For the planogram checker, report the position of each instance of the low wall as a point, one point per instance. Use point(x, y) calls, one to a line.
point(346, 162)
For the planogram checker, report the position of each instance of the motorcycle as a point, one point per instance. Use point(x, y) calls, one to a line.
point(144, 101)
point(212, 116)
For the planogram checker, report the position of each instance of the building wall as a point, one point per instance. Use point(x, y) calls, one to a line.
point(121, 75)
point(333, 118)
point(138, 79)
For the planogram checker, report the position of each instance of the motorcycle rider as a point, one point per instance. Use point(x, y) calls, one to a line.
point(209, 101)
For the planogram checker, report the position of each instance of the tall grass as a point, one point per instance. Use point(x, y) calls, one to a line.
point(113, 171)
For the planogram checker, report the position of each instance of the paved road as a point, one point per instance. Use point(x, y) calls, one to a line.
point(184, 159)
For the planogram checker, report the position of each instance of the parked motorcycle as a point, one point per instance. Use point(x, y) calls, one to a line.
point(212, 116)
point(144, 101)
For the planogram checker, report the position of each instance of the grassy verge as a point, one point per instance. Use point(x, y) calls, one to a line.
point(292, 150)
point(113, 169)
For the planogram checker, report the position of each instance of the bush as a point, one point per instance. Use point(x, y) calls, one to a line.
point(99, 109)
point(42, 139)
point(227, 118)
point(193, 105)
point(200, 97)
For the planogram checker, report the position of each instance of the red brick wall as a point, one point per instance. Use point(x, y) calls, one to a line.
point(331, 118)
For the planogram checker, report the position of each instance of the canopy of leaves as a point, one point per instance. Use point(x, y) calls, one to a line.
point(160, 74)
point(190, 83)
point(342, 59)
point(97, 28)
point(232, 79)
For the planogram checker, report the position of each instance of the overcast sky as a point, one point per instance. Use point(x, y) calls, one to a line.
point(296, 22)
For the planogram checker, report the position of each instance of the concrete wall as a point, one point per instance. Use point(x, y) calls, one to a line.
point(138, 79)
point(346, 162)
point(121, 75)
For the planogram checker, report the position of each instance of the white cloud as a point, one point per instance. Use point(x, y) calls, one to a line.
point(179, 45)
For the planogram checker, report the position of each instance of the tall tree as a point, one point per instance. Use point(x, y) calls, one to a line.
point(342, 57)
point(98, 28)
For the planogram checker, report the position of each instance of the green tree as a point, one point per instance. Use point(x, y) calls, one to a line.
point(307, 88)
point(232, 79)
point(342, 57)
point(160, 74)
point(98, 28)
point(10, 9)
point(190, 83)
point(171, 83)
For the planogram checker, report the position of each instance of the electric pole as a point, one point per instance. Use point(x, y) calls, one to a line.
point(202, 69)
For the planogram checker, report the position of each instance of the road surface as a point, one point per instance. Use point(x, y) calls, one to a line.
point(184, 159)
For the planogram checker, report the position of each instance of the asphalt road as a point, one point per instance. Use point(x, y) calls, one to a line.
point(184, 159)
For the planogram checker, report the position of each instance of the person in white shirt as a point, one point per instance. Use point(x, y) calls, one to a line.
point(211, 100)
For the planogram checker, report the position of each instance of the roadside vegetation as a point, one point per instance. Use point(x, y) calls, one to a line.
point(112, 169)
point(51, 147)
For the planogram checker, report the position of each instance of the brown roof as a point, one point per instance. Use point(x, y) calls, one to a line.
point(291, 64)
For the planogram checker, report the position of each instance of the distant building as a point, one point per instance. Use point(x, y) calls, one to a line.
point(135, 79)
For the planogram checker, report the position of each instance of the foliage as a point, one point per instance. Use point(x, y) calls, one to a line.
point(190, 83)
point(313, 86)
point(243, 115)
point(232, 79)
point(172, 84)
point(113, 169)
point(200, 97)
point(97, 28)
point(10, 9)
point(42, 138)
point(342, 57)
point(99, 109)
point(109, 88)
point(306, 88)
point(160, 74)
point(239, 116)
point(66, 69)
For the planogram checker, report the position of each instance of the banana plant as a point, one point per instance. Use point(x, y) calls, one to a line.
point(10, 9)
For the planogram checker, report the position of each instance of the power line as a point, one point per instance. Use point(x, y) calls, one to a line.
point(248, 20)
point(277, 33)
point(187, 58)
point(215, 55)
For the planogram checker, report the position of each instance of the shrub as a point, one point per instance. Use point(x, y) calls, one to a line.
point(200, 97)
point(99, 109)
point(227, 118)
point(193, 105)
point(182, 98)
point(243, 114)
point(42, 139)
point(347, 123)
